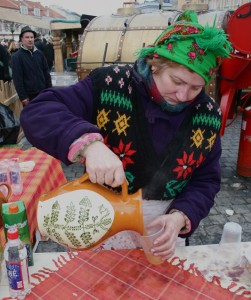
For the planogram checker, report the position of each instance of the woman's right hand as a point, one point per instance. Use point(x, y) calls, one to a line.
point(102, 165)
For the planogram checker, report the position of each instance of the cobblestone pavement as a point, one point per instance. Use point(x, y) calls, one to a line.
point(235, 194)
point(232, 203)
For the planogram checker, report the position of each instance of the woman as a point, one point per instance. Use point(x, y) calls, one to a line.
point(13, 47)
point(151, 123)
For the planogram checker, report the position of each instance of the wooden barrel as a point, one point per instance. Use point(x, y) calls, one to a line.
point(220, 19)
point(112, 39)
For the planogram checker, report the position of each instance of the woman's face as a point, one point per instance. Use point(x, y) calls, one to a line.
point(178, 84)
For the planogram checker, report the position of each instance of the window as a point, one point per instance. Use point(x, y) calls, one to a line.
point(37, 12)
point(23, 10)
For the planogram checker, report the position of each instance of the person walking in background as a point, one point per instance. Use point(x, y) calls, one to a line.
point(12, 47)
point(39, 42)
point(5, 72)
point(49, 53)
point(30, 70)
point(4, 43)
point(150, 123)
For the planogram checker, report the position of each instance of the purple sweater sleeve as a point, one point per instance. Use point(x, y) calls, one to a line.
point(67, 113)
point(197, 197)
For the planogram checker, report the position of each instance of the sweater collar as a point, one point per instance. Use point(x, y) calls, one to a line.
point(34, 48)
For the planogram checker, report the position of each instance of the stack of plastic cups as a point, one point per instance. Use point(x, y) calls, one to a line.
point(231, 242)
point(15, 177)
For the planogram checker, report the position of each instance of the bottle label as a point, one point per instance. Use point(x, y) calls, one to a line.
point(14, 177)
point(15, 276)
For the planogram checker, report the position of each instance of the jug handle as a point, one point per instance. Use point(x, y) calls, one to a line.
point(9, 191)
point(124, 186)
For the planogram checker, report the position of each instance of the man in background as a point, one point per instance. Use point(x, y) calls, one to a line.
point(30, 70)
point(49, 53)
point(39, 43)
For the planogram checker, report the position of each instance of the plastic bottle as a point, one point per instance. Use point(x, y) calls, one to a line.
point(15, 255)
point(14, 215)
point(4, 176)
point(15, 177)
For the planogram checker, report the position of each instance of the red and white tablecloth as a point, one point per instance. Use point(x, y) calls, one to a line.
point(46, 176)
point(122, 275)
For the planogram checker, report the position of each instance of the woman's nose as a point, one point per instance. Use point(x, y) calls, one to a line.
point(183, 94)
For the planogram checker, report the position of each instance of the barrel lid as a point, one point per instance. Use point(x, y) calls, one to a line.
point(238, 29)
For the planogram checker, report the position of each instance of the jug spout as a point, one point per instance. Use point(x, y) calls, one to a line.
point(80, 215)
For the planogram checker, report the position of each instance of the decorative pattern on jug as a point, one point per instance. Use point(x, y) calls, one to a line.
point(77, 219)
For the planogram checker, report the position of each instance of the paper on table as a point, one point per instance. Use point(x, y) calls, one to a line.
point(27, 166)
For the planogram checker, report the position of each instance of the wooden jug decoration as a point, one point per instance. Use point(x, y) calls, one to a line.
point(81, 214)
point(4, 198)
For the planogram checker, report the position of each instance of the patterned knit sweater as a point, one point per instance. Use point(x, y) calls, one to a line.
point(118, 112)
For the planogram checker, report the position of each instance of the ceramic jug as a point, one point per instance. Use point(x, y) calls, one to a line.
point(4, 198)
point(80, 214)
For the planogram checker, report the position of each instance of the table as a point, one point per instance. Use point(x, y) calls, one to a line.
point(126, 274)
point(46, 176)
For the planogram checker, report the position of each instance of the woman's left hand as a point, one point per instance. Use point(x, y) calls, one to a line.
point(164, 246)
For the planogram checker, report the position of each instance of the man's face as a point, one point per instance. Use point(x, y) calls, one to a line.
point(28, 40)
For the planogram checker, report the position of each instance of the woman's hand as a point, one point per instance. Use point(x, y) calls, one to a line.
point(164, 246)
point(25, 101)
point(102, 165)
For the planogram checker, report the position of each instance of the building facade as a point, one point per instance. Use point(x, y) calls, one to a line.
point(33, 14)
point(214, 4)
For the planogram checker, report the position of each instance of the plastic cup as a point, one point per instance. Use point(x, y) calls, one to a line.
point(231, 233)
point(147, 240)
point(230, 245)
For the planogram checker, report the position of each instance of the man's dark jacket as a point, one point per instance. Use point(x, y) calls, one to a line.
point(30, 72)
point(4, 64)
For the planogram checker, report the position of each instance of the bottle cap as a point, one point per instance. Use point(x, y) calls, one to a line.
point(12, 233)
point(13, 208)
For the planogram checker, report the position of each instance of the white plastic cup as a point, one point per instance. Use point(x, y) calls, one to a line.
point(230, 244)
point(231, 233)
point(147, 240)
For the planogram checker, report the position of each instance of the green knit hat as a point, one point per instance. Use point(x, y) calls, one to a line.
point(192, 45)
